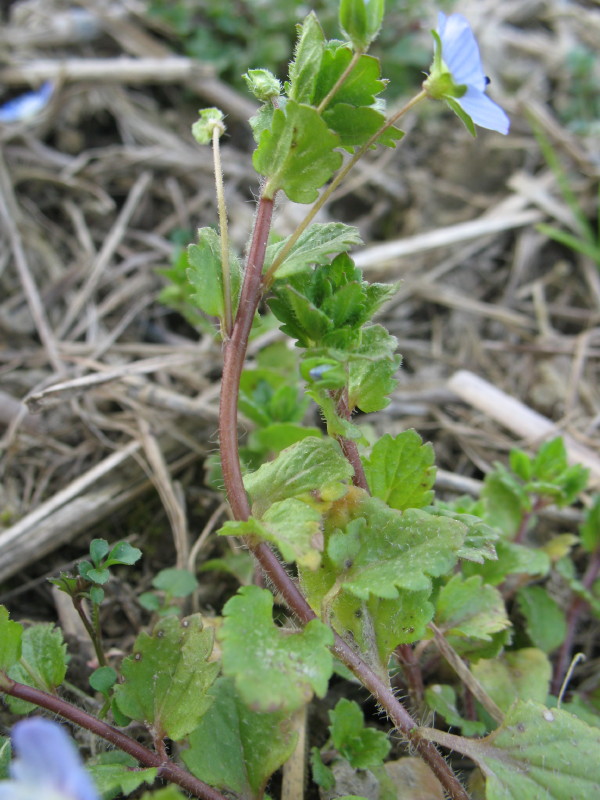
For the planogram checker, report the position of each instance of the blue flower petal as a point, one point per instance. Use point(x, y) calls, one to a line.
point(460, 51)
point(48, 761)
point(26, 105)
point(483, 111)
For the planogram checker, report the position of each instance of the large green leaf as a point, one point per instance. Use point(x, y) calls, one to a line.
point(545, 621)
point(297, 154)
point(312, 468)
point(236, 749)
point(468, 607)
point(167, 677)
point(523, 674)
point(273, 669)
point(372, 366)
point(355, 126)
point(537, 753)
point(401, 470)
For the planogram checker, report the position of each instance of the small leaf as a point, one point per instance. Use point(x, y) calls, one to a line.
point(236, 749)
point(310, 466)
point(362, 747)
point(524, 674)
point(103, 679)
point(400, 471)
point(505, 500)
point(536, 753)
point(274, 670)
point(10, 640)
point(115, 772)
point(468, 607)
point(297, 154)
point(314, 246)
point(175, 582)
point(371, 370)
point(123, 553)
point(167, 677)
point(96, 595)
point(98, 549)
point(544, 619)
point(322, 775)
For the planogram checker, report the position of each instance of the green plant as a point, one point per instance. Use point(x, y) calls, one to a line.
point(374, 579)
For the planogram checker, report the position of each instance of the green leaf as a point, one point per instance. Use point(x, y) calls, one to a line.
point(175, 582)
point(98, 549)
point(441, 699)
point(544, 619)
point(374, 581)
point(401, 471)
point(590, 530)
point(308, 53)
point(240, 565)
point(274, 670)
point(115, 772)
point(468, 607)
point(312, 465)
point(362, 85)
point(297, 154)
point(314, 246)
point(103, 679)
point(10, 640)
point(93, 575)
point(536, 753)
point(362, 747)
point(552, 475)
point(167, 677)
point(382, 551)
point(322, 775)
point(43, 663)
point(276, 437)
point(371, 370)
point(168, 793)
point(355, 126)
point(293, 526)
point(205, 274)
point(236, 749)
point(505, 500)
point(513, 559)
point(524, 674)
point(123, 553)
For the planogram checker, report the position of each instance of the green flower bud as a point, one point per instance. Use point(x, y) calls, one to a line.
point(210, 118)
point(263, 84)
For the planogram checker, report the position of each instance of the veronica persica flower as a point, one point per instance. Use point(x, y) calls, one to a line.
point(47, 766)
point(458, 78)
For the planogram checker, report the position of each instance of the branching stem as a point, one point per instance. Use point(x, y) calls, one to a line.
point(166, 769)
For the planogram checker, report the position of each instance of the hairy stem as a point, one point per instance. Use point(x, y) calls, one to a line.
point(93, 631)
point(234, 355)
point(349, 448)
point(166, 769)
point(233, 361)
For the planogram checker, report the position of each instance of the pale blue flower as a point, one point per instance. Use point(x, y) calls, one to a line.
point(458, 77)
point(47, 765)
point(25, 106)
